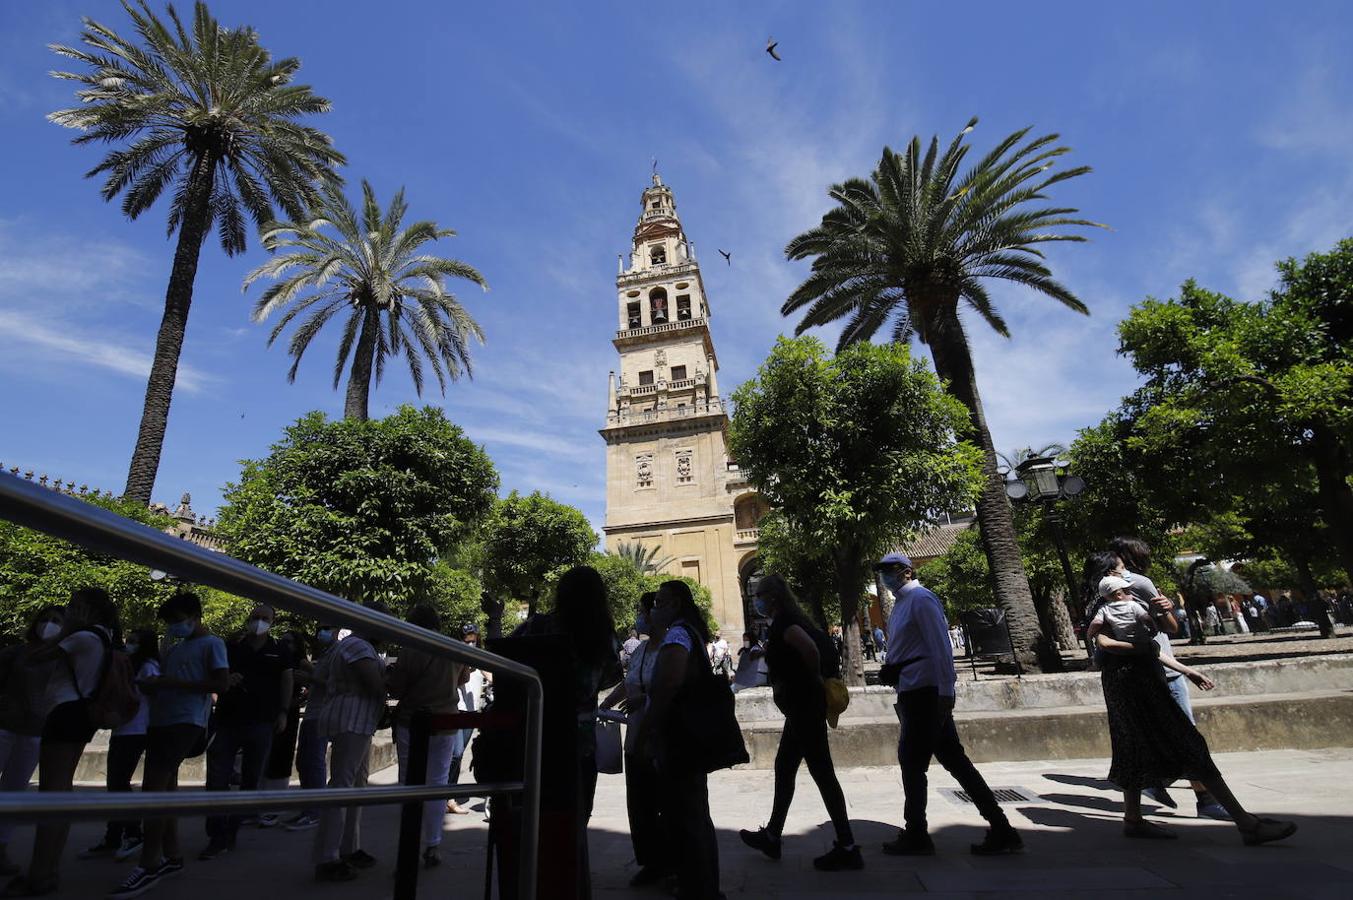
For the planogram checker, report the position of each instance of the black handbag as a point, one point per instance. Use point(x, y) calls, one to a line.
point(702, 733)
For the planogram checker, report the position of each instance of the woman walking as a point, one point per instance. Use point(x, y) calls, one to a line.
point(642, 798)
point(424, 682)
point(1153, 740)
point(23, 707)
point(680, 633)
point(122, 839)
point(794, 655)
point(282, 753)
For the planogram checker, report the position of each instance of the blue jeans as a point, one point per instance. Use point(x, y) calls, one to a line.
point(1179, 689)
point(251, 739)
point(310, 766)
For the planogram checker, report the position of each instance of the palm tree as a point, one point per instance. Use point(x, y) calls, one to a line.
point(378, 273)
point(1013, 459)
point(211, 116)
point(907, 246)
point(645, 559)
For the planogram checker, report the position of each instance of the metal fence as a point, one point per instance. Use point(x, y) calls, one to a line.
point(43, 509)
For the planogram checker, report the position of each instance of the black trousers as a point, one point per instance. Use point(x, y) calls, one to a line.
point(690, 834)
point(928, 732)
point(124, 752)
point(804, 739)
point(644, 803)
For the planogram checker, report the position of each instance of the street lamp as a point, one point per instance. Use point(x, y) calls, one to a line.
point(1044, 479)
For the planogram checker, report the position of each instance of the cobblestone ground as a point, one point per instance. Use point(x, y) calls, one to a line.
point(1071, 824)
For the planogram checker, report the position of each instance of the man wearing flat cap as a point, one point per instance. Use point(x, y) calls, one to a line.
point(920, 662)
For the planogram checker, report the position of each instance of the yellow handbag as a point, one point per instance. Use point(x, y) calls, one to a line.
point(838, 698)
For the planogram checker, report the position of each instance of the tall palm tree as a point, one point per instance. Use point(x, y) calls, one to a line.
point(910, 244)
point(379, 274)
point(645, 559)
point(210, 115)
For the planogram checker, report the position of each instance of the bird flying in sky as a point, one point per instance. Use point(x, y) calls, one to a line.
point(771, 44)
point(727, 257)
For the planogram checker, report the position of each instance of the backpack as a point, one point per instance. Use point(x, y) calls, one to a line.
point(115, 700)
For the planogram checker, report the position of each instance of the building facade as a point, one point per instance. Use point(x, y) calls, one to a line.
point(670, 483)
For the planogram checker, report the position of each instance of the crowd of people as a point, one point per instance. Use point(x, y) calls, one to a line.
point(272, 701)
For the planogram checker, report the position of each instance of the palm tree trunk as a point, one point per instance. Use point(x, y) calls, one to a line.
point(359, 382)
point(953, 363)
point(164, 366)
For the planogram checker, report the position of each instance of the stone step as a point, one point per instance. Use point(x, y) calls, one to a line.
point(1303, 721)
point(1070, 689)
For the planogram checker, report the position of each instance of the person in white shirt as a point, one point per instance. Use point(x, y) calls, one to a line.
point(921, 659)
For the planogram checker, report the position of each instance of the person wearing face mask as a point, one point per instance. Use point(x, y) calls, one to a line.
point(194, 667)
point(311, 768)
point(642, 796)
point(247, 717)
point(23, 689)
point(920, 661)
point(122, 839)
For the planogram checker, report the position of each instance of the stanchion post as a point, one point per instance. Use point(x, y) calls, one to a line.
point(411, 814)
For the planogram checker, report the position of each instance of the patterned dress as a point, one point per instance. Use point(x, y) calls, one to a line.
point(1153, 740)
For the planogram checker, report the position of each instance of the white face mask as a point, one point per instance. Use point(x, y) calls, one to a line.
point(258, 626)
point(48, 630)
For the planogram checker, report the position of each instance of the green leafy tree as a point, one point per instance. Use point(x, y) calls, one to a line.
point(645, 559)
point(625, 584)
point(808, 566)
point(857, 451)
point(364, 509)
point(909, 245)
point(37, 570)
point(377, 275)
point(205, 112)
point(529, 541)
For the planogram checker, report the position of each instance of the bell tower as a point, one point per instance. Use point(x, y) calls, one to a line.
point(669, 482)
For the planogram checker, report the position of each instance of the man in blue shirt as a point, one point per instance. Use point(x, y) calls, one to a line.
point(921, 659)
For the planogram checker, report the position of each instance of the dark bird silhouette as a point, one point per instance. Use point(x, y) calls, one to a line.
point(771, 44)
point(727, 257)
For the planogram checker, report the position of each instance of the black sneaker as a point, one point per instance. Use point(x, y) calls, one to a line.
point(999, 842)
point(335, 870)
point(762, 840)
point(839, 858)
point(103, 848)
point(215, 847)
point(360, 859)
point(432, 858)
point(137, 883)
point(909, 843)
point(171, 866)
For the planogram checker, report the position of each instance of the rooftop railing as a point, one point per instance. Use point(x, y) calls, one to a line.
point(45, 510)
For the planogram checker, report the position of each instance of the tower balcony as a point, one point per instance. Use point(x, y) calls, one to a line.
point(661, 272)
point(625, 335)
point(623, 417)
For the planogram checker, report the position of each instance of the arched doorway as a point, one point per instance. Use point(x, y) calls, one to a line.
point(749, 573)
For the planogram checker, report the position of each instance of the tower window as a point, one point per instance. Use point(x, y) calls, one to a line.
point(657, 306)
point(683, 307)
point(657, 255)
point(632, 314)
point(656, 204)
point(646, 377)
point(678, 373)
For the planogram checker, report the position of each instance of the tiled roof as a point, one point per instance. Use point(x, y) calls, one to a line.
point(935, 542)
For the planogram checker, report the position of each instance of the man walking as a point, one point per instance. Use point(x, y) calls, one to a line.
point(921, 660)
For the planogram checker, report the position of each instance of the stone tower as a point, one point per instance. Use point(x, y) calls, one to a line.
point(669, 481)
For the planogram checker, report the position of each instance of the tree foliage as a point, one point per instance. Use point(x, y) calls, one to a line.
point(856, 451)
point(645, 559)
point(626, 583)
point(376, 274)
point(364, 509)
point(529, 541)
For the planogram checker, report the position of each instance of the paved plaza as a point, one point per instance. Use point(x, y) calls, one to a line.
point(1071, 828)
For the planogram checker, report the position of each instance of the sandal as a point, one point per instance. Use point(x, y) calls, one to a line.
point(1266, 831)
point(1148, 831)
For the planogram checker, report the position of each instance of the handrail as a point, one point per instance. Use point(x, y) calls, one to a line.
point(42, 509)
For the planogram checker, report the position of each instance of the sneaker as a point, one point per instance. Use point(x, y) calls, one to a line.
point(137, 883)
point(762, 840)
point(269, 820)
point(839, 858)
point(216, 847)
point(1159, 795)
point(432, 858)
point(250, 819)
point(335, 870)
point(171, 866)
point(303, 822)
point(908, 843)
point(999, 842)
point(130, 847)
point(102, 849)
point(1213, 810)
point(360, 859)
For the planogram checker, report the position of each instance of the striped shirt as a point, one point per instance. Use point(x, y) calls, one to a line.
point(338, 705)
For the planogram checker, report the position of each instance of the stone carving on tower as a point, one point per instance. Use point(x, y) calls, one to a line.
point(670, 483)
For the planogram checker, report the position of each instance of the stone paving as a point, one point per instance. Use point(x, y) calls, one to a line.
point(1071, 828)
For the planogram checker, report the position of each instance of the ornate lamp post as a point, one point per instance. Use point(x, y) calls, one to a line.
point(1045, 479)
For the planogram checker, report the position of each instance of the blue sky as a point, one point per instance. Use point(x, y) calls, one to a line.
point(1219, 133)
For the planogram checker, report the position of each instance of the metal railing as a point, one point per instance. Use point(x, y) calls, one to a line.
point(43, 509)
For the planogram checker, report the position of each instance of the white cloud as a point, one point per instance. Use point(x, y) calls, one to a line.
point(26, 337)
